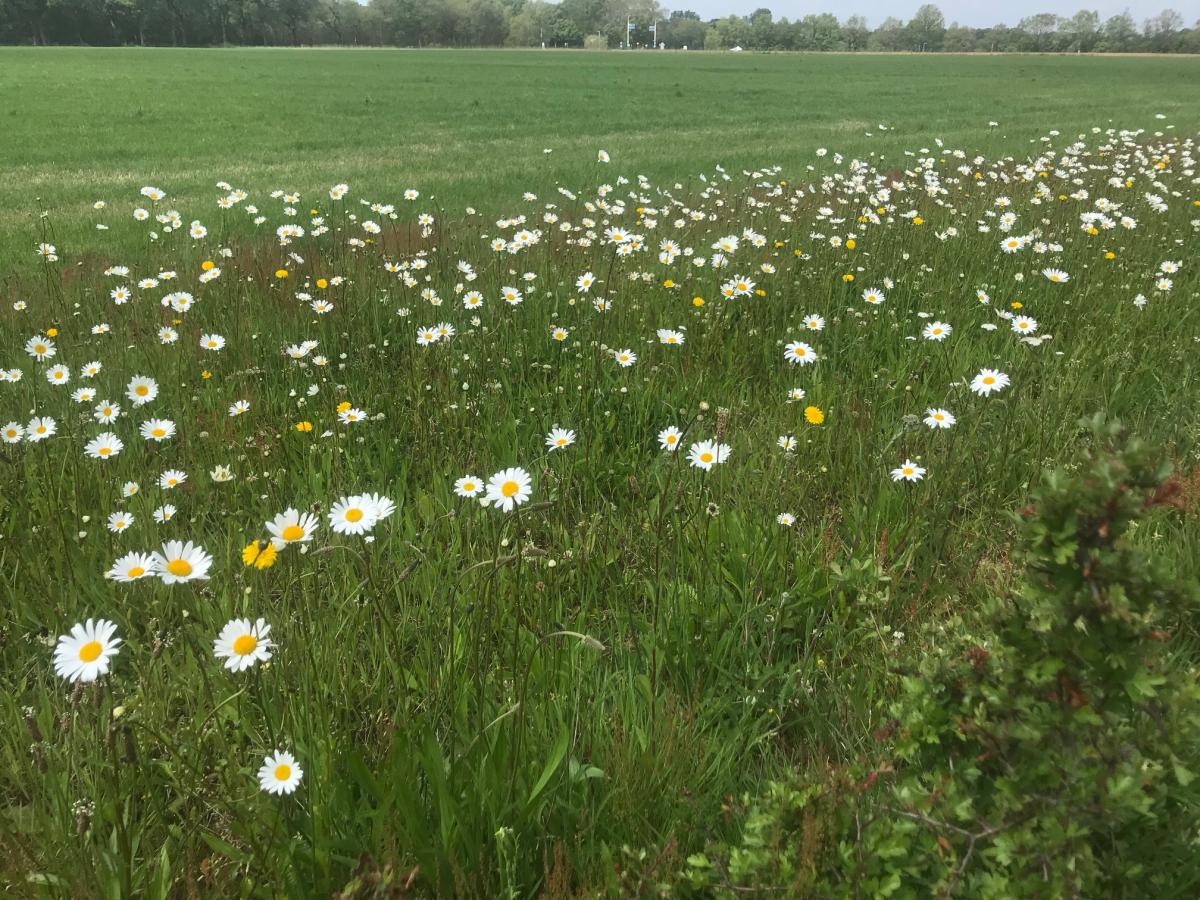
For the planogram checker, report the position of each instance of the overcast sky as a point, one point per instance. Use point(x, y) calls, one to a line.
point(966, 12)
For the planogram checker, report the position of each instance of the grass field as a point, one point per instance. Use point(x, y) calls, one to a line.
point(471, 127)
point(798, 573)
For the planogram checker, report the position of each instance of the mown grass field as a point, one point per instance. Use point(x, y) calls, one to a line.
point(471, 127)
point(586, 686)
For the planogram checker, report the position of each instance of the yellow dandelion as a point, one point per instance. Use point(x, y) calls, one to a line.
point(281, 273)
point(814, 415)
point(304, 426)
point(261, 554)
point(697, 302)
point(208, 265)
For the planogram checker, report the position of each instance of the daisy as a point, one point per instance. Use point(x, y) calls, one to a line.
point(58, 375)
point(936, 331)
point(667, 336)
point(242, 644)
point(786, 519)
point(814, 323)
point(83, 395)
point(292, 527)
point(141, 390)
point(352, 515)
point(1024, 325)
point(90, 370)
point(119, 521)
point(795, 394)
point(669, 437)
point(799, 353)
point(168, 335)
point(85, 653)
point(939, 418)
point(559, 334)
point(786, 443)
point(908, 471)
point(280, 774)
point(40, 348)
point(989, 380)
point(625, 358)
point(104, 446)
point(468, 486)
point(382, 506)
point(40, 428)
point(511, 296)
point(584, 282)
point(508, 489)
point(157, 429)
point(706, 454)
point(171, 478)
point(164, 513)
point(1058, 276)
point(211, 341)
point(179, 562)
point(351, 415)
point(106, 412)
point(560, 438)
point(221, 474)
point(131, 567)
point(12, 433)
point(240, 407)
point(873, 296)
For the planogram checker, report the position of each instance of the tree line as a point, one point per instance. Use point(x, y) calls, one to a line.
point(569, 23)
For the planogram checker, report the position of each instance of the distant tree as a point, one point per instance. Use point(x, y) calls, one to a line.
point(856, 33)
point(959, 39)
point(1163, 31)
point(1080, 32)
point(889, 35)
point(1039, 31)
point(927, 29)
point(1120, 34)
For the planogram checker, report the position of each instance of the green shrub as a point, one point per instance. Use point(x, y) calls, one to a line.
point(1046, 751)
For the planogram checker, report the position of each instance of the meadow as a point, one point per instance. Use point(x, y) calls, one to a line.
point(730, 500)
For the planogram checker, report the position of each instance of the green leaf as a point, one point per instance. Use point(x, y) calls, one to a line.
point(552, 763)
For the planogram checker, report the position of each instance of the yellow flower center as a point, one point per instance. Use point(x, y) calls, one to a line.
point(136, 572)
point(989, 380)
point(706, 457)
point(141, 390)
point(469, 486)
point(354, 515)
point(245, 644)
point(90, 651)
point(293, 533)
point(181, 568)
point(158, 432)
point(105, 451)
point(908, 470)
point(509, 488)
point(283, 772)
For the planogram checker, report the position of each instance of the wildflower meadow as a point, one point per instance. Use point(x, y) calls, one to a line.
point(824, 529)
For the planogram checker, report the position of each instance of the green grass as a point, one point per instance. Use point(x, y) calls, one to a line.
point(575, 696)
point(470, 126)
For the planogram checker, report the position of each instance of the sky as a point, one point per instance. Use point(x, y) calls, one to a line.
point(973, 13)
